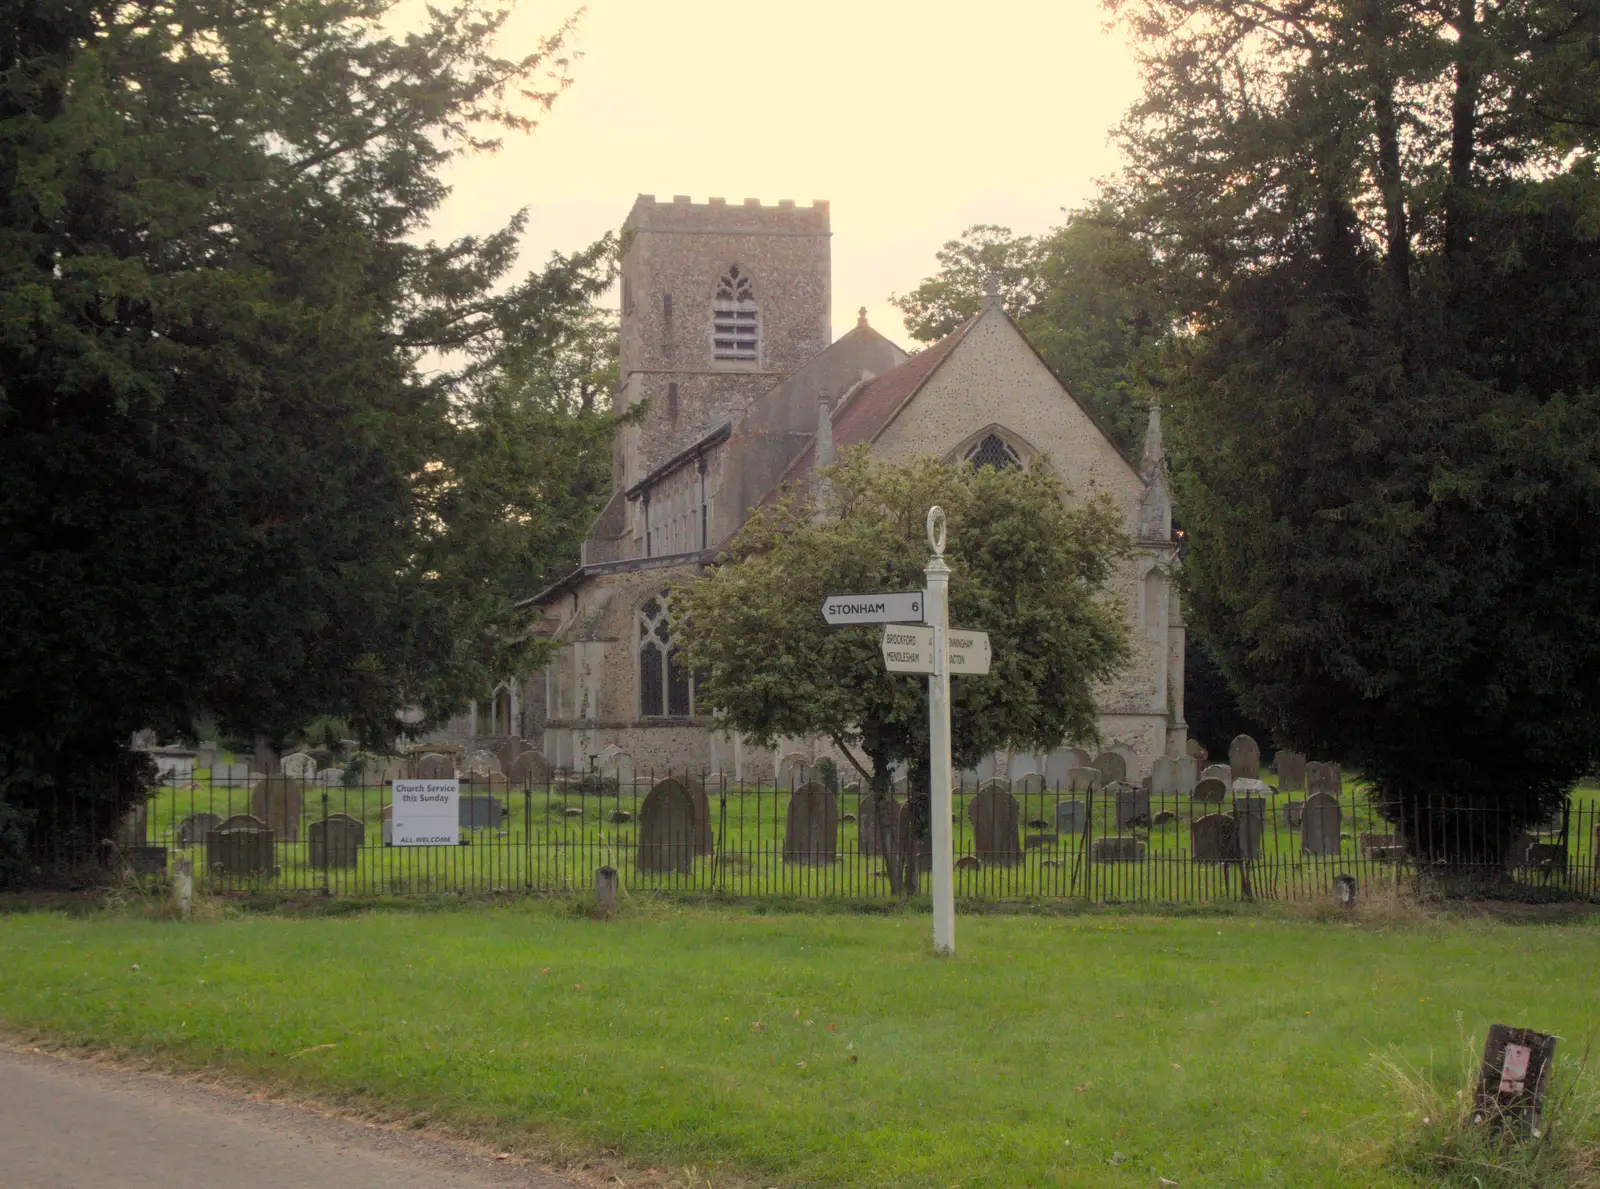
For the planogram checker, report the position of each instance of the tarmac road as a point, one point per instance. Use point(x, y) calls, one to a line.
point(70, 1124)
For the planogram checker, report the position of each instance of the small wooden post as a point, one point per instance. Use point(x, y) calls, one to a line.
point(605, 890)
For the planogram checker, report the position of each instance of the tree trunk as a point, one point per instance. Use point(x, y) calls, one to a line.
point(886, 819)
point(1463, 128)
point(1397, 233)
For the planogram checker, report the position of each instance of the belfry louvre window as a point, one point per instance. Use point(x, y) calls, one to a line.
point(664, 688)
point(993, 451)
point(735, 326)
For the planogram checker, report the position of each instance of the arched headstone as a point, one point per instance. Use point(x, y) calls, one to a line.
point(1218, 772)
point(1163, 777)
point(1249, 822)
point(1187, 773)
point(298, 765)
point(335, 841)
point(434, 766)
point(811, 832)
point(1033, 782)
point(530, 770)
point(1323, 778)
point(1111, 766)
point(1211, 839)
point(242, 845)
point(995, 815)
point(480, 763)
point(1244, 758)
point(1320, 821)
point(331, 778)
point(1291, 771)
point(794, 770)
point(192, 829)
point(666, 829)
point(277, 801)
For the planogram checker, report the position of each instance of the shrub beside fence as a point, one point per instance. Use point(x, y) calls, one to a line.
point(761, 841)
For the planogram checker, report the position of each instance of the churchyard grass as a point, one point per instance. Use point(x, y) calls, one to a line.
point(1240, 1048)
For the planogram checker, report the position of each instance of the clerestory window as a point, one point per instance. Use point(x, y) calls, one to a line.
point(735, 325)
point(665, 690)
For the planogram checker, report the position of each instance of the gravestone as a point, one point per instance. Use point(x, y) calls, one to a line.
point(703, 842)
point(1187, 774)
point(1291, 771)
point(336, 840)
point(1070, 816)
point(1211, 791)
point(1320, 819)
point(867, 832)
point(811, 832)
point(666, 829)
point(1163, 817)
point(277, 801)
point(1111, 766)
point(1197, 750)
point(475, 811)
point(616, 764)
point(433, 766)
point(994, 814)
point(1059, 764)
point(205, 755)
point(387, 817)
point(1252, 788)
point(480, 763)
point(1211, 839)
point(529, 770)
point(146, 860)
point(1163, 777)
point(299, 765)
point(794, 770)
point(1249, 823)
point(508, 752)
point(330, 778)
point(1084, 780)
point(1513, 1077)
point(1031, 783)
point(995, 784)
point(1117, 850)
point(226, 774)
point(192, 829)
point(1291, 814)
point(1244, 758)
point(1133, 805)
point(242, 845)
point(1323, 778)
point(1218, 772)
point(605, 889)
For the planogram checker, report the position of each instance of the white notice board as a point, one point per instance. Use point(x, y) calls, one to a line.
point(427, 813)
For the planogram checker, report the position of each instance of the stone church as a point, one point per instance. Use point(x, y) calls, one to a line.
point(725, 337)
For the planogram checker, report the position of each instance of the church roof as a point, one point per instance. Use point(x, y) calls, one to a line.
point(861, 417)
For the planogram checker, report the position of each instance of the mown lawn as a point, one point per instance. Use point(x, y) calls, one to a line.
point(831, 1049)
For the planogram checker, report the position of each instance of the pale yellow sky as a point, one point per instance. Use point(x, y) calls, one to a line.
point(915, 119)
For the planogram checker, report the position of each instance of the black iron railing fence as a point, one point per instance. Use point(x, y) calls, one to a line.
point(713, 835)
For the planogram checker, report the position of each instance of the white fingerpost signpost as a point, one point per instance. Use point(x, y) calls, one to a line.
point(938, 617)
point(939, 653)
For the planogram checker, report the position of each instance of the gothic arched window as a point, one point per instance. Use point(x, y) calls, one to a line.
point(735, 328)
point(993, 451)
point(664, 688)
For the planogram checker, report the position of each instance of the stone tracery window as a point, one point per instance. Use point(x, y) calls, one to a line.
point(993, 451)
point(735, 325)
point(665, 690)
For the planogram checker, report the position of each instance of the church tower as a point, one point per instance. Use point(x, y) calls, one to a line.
point(719, 304)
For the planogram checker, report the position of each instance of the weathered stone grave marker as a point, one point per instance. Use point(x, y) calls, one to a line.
point(336, 840)
point(666, 829)
point(277, 801)
point(1291, 771)
point(1320, 819)
point(1244, 758)
point(811, 831)
point(994, 814)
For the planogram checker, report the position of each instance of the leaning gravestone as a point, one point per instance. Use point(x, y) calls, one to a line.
point(1244, 758)
point(1133, 805)
point(1163, 777)
point(530, 770)
point(1111, 766)
point(1187, 773)
point(1211, 839)
point(1249, 823)
point(666, 829)
point(1323, 778)
point(277, 801)
point(994, 814)
point(335, 841)
point(299, 765)
point(241, 845)
point(1320, 819)
point(1070, 816)
point(1218, 772)
point(1197, 749)
point(811, 833)
point(433, 766)
point(1252, 788)
point(192, 829)
point(1084, 780)
point(1291, 771)
point(1211, 790)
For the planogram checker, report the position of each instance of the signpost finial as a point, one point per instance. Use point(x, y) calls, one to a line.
point(936, 530)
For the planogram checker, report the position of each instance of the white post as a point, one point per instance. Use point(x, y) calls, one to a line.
point(936, 611)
